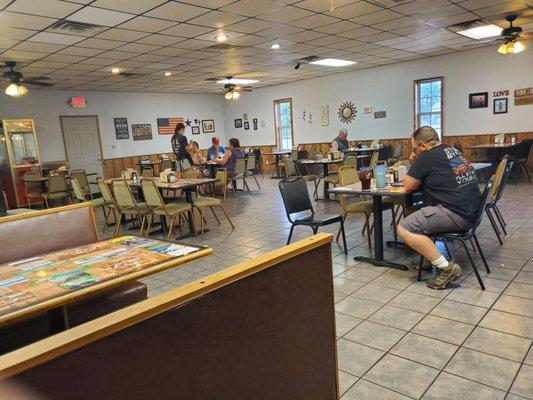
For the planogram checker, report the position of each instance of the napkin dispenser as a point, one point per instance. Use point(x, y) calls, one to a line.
point(167, 176)
point(335, 155)
point(399, 171)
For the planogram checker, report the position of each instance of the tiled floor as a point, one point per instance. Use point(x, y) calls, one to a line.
point(397, 338)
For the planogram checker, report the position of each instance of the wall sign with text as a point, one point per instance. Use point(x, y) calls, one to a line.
point(523, 97)
point(121, 128)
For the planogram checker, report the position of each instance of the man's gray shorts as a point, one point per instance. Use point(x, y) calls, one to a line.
point(435, 219)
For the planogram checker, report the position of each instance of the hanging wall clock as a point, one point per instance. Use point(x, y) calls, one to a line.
point(347, 112)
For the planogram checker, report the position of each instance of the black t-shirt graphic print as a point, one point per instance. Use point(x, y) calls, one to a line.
point(447, 179)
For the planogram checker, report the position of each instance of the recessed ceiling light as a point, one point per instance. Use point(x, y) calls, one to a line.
point(275, 46)
point(221, 37)
point(116, 70)
point(333, 62)
point(482, 32)
point(238, 81)
point(168, 73)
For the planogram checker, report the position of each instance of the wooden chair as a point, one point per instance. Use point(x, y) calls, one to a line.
point(81, 176)
point(32, 188)
point(126, 204)
point(110, 203)
point(239, 174)
point(251, 167)
point(57, 190)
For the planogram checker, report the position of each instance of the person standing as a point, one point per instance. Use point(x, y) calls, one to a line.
point(451, 200)
point(340, 143)
point(180, 144)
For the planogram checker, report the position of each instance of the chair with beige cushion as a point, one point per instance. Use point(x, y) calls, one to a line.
point(109, 200)
point(157, 206)
point(221, 187)
point(81, 176)
point(32, 188)
point(127, 205)
point(57, 190)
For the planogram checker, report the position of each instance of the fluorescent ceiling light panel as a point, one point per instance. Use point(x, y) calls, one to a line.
point(333, 62)
point(482, 32)
point(56, 38)
point(238, 81)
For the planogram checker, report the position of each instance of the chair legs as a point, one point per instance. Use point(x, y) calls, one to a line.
point(497, 211)
point(227, 217)
point(473, 264)
point(290, 234)
point(343, 237)
point(481, 254)
point(420, 268)
point(117, 225)
point(525, 171)
point(500, 220)
point(494, 226)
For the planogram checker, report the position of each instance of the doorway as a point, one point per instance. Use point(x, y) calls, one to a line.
point(283, 123)
point(81, 135)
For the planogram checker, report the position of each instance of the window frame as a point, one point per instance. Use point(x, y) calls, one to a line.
point(277, 126)
point(417, 114)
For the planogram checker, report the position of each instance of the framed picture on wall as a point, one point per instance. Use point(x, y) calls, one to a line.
point(500, 106)
point(478, 100)
point(246, 125)
point(238, 123)
point(208, 125)
point(195, 130)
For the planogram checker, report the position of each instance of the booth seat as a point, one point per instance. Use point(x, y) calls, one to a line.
point(29, 235)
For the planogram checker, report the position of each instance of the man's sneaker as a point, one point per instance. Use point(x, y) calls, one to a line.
point(445, 276)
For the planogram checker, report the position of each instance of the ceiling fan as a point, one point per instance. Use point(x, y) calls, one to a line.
point(15, 80)
point(510, 37)
point(232, 90)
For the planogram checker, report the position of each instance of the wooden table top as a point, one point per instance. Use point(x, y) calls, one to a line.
point(360, 150)
point(492, 146)
point(279, 152)
point(54, 279)
point(322, 161)
point(178, 185)
point(480, 165)
point(373, 191)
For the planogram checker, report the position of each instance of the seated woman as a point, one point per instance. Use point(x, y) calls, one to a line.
point(194, 151)
point(233, 152)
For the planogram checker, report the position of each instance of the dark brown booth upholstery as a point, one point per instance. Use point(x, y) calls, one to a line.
point(261, 330)
point(31, 234)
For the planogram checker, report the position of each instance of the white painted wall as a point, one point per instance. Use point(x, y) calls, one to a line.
point(45, 106)
point(390, 88)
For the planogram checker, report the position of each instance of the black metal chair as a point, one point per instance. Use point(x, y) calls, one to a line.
point(519, 155)
point(384, 152)
point(493, 203)
point(297, 201)
point(464, 237)
point(458, 146)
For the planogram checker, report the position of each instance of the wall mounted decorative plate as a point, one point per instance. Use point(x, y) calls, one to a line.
point(347, 112)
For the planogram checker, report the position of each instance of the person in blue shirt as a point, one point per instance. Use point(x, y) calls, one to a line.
point(216, 150)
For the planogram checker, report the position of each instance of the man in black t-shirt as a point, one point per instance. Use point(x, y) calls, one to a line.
point(451, 199)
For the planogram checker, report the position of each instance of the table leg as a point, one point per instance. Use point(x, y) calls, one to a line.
point(58, 318)
point(326, 184)
point(276, 162)
point(378, 259)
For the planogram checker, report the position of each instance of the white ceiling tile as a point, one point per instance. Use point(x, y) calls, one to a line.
point(41, 47)
point(186, 30)
point(80, 51)
point(285, 14)
point(508, 7)
point(7, 43)
point(56, 38)
point(160, 40)
point(217, 19)
point(193, 44)
point(130, 6)
point(100, 16)
point(376, 17)
point(439, 13)
point(138, 47)
point(22, 55)
point(211, 36)
point(16, 20)
point(15, 33)
point(118, 55)
point(313, 21)
point(278, 31)
point(396, 23)
point(178, 12)
point(100, 43)
point(125, 35)
point(359, 32)
point(146, 24)
point(323, 5)
point(251, 8)
point(64, 58)
point(354, 10)
point(417, 6)
point(45, 8)
point(305, 36)
point(250, 25)
point(207, 3)
point(337, 27)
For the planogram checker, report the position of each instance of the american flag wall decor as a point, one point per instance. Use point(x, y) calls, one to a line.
point(166, 126)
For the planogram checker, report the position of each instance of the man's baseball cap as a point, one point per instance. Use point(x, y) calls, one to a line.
point(215, 139)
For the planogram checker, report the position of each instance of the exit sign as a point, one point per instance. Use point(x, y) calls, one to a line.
point(77, 102)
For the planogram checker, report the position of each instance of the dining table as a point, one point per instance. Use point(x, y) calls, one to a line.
point(186, 185)
point(50, 281)
point(277, 156)
point(325, 162)
point(495, 151)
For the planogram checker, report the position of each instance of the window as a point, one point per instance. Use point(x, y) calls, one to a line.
point(283, 123)
point(428, 104)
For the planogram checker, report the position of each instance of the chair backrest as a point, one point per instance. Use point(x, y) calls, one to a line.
point(458, 146)
point(147, 172)
point(294, 154)
point(190, 173)
point(347, 176)
point(221, 185)
point(151, 193)
point(31, 185)
point(503, 183)
point(384, 152)
point(290, 167)
point(374, 159)
point(311, 154)
point(398, 149)
point(499, 175)
point(81, 176)
point(350, 161)
point(483, 203)
point(250, 165)
point(185, 164)
point(295, 196)
point(123, 196)
point(104, 189)
point(78, 193)
point(166, 164)
point(240, 166)
point(57, 183)
point(520, 152)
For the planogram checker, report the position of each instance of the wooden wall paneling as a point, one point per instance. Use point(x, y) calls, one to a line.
point(135, 163)
point(109, 170)
point(127, 162)
point(117, 166)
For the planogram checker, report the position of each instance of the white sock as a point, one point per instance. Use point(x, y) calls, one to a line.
point(440, 262)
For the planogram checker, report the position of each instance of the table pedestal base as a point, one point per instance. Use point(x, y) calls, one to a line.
point(381, 263)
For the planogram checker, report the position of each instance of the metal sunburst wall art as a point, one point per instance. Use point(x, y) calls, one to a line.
point(347, 112)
